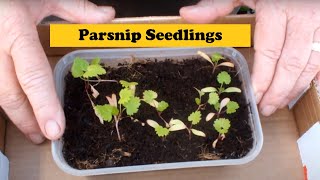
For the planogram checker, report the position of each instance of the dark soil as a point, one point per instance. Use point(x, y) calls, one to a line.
point(139, 8)
point(89, 144)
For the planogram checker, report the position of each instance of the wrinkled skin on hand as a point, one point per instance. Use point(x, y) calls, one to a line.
point(27, 92)
point(284, 64)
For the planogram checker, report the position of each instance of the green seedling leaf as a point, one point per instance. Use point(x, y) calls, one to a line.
point(105, 112)
point(198, 133)
point(217, 106)
point(96, 60)
point(213, 98)
point(132, 106)
point(162, 106)
point(195, 117)
point(149, 96)
point(216, 57)
point(222, 125)
point(125, 95)
point(79, 67)
point(205, 56)
point(130, 85)
point(224, 78)
point(152, 123)
point(232, 107)
point(177, 127)
point(227, 64)
point(209, 90)
point(162, 131)
point(94, 71)
point(210, 116)
point(232, 90)
point(198, 101)
point(223, 103)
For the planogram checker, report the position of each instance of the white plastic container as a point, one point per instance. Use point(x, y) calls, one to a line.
point(115, 56)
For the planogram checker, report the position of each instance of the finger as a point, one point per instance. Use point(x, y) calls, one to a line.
point(293, 60)
point(268, 46)
point(82, 11)
point(35, 77)
point(308, 74)
point(15, 103)
point(207, 11)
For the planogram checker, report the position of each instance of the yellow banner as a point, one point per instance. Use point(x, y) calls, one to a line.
point(150, 35)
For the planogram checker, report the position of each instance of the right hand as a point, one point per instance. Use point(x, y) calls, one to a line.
point(27, 92)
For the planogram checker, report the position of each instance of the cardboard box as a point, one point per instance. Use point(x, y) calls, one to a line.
point(278, 160)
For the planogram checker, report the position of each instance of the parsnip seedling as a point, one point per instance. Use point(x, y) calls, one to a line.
point(174, 125)
point(215, 59)
point(222, 126)
point(150, 97)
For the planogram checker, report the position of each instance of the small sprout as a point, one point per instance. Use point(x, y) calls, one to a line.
point(214, 60)
point(209, 90)
point(95, 93)
point(198, 133)
point(222, 125)
point(224, 78)
point(195, 117)
point(232, 90)
point(79, 67)
point(125, 95)
point(105, 112)
point(162, 106)
point(210, 116)
point(223, 103)
point(132, 106)
point(162, 131)
point(94, 70)
point(232, 107)
point(213, 98)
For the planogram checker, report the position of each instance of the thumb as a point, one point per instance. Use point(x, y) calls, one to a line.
point(82, 11)
point(206, 11)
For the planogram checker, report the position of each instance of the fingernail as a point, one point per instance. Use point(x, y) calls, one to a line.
point(268, 110)
point(52, 129)
point(106, 9)
point(36, 138)
point(258, 97)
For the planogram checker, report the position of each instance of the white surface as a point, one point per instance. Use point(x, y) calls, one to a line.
point(316, 46)
point(4, 167)
point(309, 146)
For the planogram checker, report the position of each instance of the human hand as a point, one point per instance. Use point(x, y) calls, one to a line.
point(284, 63)
point(27, 92)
